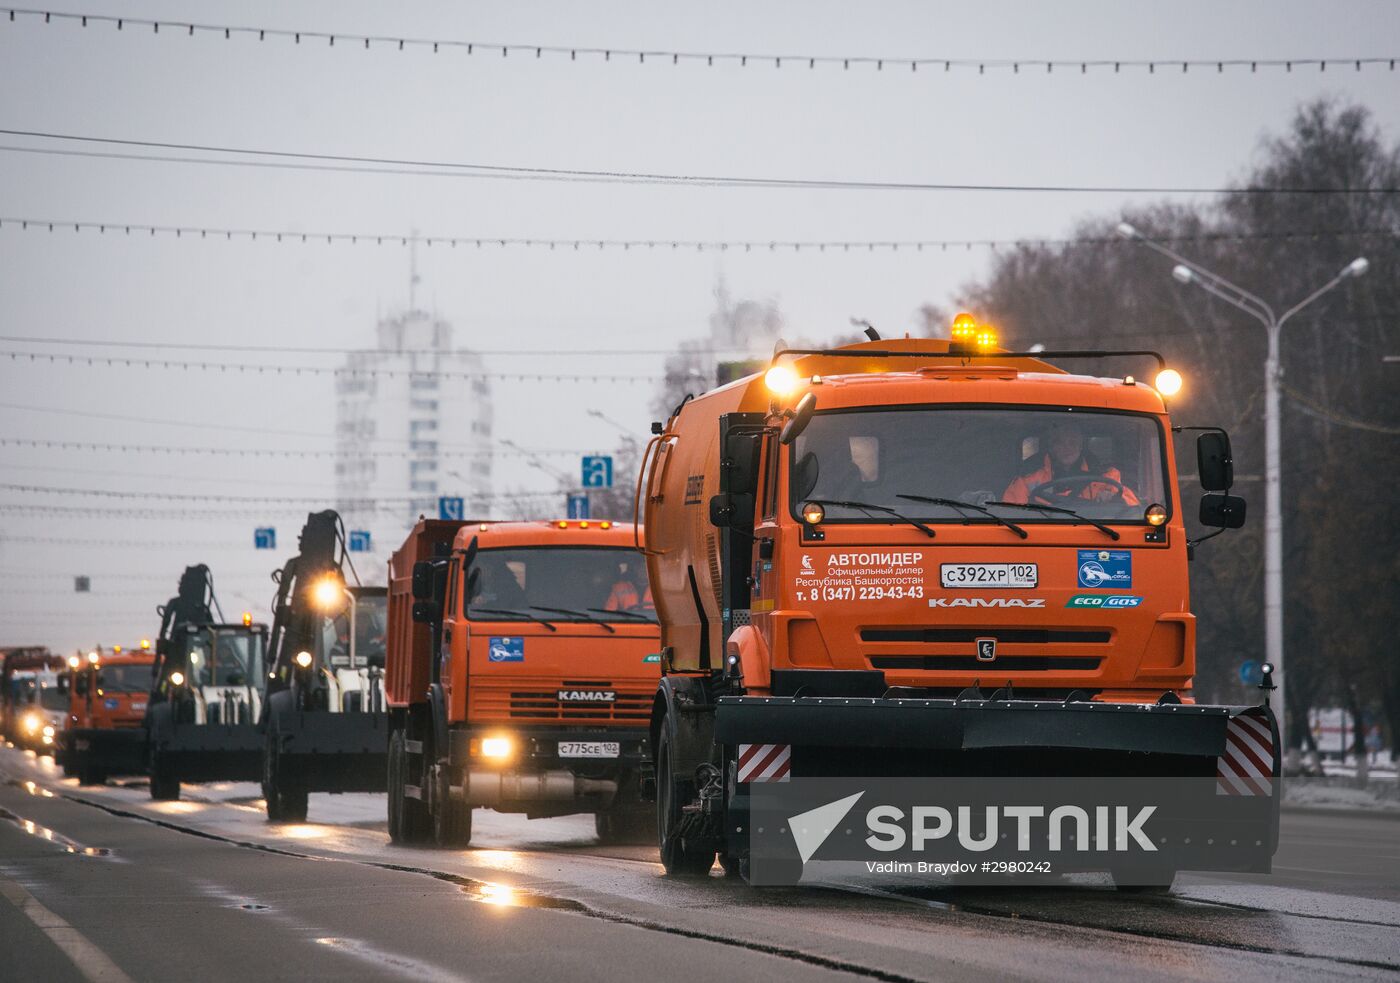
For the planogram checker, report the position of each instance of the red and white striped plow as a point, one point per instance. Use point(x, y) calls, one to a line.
point(1247, 766)
point(765, 762)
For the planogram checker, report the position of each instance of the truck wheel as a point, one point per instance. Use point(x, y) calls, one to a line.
point(452, 820)
point(409, 821)
point(165, 787)
point(395, 788)
point(286, 796)
point(89, 774)
point(677, 856)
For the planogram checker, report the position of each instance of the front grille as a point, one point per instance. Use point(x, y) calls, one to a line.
point(543, 705)
point(1029, 636)
point(970, 663)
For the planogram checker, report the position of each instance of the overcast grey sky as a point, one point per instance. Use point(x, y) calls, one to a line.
point(1098, 128)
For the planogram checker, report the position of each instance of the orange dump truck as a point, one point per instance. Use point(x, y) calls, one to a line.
point(520, 670)
point(107, 707)
point(926, 558)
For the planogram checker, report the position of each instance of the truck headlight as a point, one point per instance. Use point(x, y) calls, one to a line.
point(32, 722)
point(497, 748)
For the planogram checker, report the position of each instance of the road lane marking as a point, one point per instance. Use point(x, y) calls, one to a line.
point(89, 960)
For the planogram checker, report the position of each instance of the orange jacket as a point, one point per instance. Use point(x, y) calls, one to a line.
point(1019, 491)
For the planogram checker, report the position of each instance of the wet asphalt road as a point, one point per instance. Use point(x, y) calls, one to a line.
point(104, 884)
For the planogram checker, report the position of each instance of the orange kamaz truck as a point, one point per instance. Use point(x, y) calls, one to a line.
point(519, 676)
point(928, 557)
point(107, 707)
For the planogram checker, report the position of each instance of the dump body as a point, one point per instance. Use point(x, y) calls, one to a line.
point(873, 596)
point(527, 687)
point(108, 692)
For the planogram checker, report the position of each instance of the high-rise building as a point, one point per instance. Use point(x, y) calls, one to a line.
point(413, 423)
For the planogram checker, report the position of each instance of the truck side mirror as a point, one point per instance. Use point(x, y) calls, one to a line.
point(1214, 462)
point(721, 509)
point(426, 612)
point(1222, 511)
point(801, 416)
point(423, 580)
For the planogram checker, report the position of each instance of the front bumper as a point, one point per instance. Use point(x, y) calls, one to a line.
point(1080, 735)
point(112, 750)
point(211, 752)
point(539, 781)
point(334, 752)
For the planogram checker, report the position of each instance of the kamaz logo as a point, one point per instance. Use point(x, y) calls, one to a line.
point(586, 695)
point(986, 602)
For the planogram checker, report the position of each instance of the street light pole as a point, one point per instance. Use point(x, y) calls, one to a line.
point(1190, 272)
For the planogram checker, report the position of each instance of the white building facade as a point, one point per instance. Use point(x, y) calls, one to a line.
point(413, 424)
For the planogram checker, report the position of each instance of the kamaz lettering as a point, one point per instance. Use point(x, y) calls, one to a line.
point(986, 602)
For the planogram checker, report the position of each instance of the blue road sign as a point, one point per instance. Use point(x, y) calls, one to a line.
point(578, 506)
point(451, 508)
point(597, 471)
point(359, 541)
point(265, 538)
point(1250, 674)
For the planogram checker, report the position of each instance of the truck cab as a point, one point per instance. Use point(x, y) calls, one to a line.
point(108, 693)
point(538, 661)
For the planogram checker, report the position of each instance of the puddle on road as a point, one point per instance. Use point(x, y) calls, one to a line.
point(56, 838)
point(508, 896)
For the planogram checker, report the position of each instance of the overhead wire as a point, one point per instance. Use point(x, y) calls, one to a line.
point(309, 160)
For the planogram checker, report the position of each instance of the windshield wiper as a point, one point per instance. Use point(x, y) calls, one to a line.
point(576, 614)
point(515, 611)
point(953, 503)
point(1036, 506)
point(866, 507)
point(625, 614)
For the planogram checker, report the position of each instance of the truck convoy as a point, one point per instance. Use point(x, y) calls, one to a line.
point(326, 728)
point(201, 720)
point(925, 557)
point(520, 673)
point(33, 698)
point(107, 696)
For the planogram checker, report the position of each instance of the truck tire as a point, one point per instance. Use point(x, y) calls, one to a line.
point(165, 787)
point(452, 820)
point(408, 819)
point(285, 795)
point(678, 857)
point(90, 774)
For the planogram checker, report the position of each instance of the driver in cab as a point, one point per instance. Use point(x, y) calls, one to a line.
point(1068, 470)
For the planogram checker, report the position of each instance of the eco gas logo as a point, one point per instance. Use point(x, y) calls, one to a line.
point(1103, 601)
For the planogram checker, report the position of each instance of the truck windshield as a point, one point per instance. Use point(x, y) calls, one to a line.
point(602, 583)
point(371, 620)
point(124, 679)
point(1105, 466)
point(52, 698)
point(225, 657)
